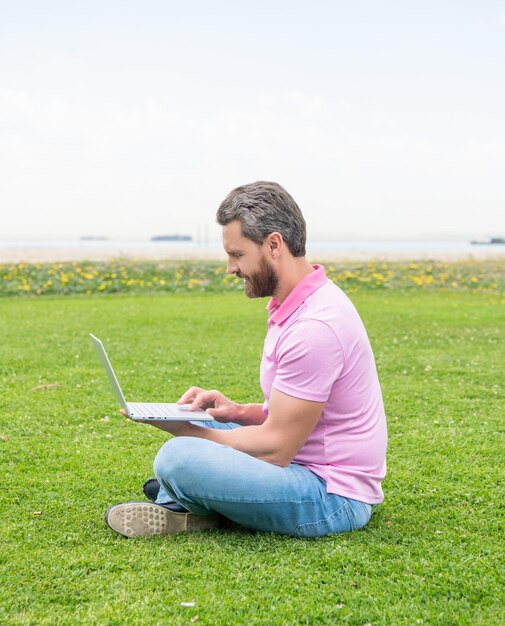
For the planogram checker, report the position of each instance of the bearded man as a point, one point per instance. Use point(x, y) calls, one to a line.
point(310, 458)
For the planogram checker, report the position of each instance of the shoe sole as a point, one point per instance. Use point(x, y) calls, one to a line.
point(144, 519)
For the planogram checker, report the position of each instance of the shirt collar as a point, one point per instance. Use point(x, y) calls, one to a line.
point(279, 313)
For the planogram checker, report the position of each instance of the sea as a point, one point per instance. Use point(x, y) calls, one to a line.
point(52, 250)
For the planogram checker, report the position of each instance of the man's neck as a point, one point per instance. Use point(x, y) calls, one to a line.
point(292, 273)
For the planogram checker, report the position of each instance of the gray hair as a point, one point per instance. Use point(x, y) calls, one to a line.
point(263, 208)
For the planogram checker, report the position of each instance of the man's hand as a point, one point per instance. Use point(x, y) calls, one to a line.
point(214, 402)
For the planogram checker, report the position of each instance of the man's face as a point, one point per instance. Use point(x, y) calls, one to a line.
point(248, 260)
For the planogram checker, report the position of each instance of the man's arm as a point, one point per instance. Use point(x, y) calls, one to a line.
point(278, 439)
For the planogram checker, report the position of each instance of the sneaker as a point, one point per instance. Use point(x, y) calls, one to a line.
point(143, 519)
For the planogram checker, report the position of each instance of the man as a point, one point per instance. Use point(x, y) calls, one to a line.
point(310, 459)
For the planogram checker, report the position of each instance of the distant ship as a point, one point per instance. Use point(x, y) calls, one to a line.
point(172, 238)
point(489, 242)
point(93, 238)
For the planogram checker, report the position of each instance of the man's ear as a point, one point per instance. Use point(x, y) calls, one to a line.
point(275, 243)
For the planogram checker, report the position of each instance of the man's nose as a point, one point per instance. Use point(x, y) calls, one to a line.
point(231, 267)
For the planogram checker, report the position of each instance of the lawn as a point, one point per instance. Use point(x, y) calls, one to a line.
point(432, 554)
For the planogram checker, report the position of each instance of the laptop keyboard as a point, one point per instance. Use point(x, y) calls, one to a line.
point(151, 410)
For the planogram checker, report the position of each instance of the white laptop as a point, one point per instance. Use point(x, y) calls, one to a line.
point(146, 411)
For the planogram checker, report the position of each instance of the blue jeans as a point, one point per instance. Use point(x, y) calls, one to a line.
point(205, 476)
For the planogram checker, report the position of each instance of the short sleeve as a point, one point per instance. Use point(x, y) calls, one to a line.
point(309, 360)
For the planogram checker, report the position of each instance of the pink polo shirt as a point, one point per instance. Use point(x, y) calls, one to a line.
point(317, 349)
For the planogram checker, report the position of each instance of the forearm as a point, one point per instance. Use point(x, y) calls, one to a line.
point(259, 441)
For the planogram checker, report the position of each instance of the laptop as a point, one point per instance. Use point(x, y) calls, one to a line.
point(146, 411)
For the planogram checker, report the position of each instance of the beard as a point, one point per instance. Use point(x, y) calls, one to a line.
point(262, 283)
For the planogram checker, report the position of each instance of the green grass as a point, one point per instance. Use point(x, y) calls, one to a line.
point(432, 554)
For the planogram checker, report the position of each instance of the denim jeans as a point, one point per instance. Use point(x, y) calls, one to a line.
point(205, 476)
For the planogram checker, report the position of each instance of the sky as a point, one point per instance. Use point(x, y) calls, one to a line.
point(384, 120)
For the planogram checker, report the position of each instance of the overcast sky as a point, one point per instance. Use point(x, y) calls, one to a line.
point(128, 119)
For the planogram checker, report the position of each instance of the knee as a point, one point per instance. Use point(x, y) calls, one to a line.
point(186, 460)
point(172, 457)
